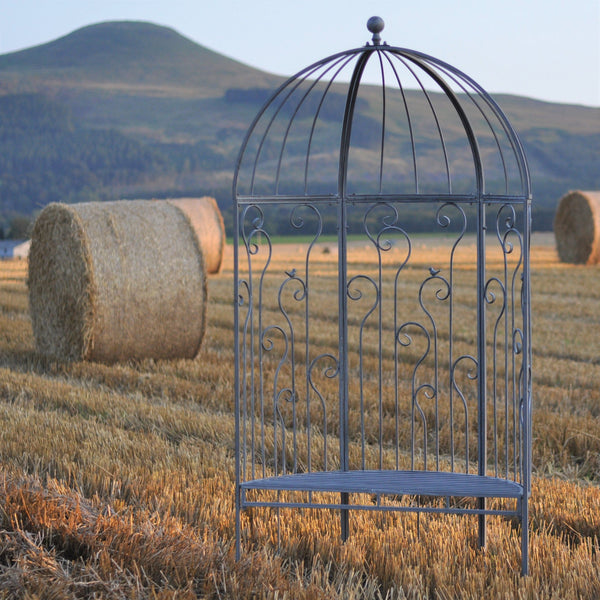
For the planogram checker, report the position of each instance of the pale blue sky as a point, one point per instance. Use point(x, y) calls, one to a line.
point(545, 49)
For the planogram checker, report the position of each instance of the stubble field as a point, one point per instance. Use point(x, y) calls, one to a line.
point(117, 481)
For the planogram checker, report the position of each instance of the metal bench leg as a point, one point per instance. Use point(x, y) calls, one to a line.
point(524, 536)
point(482, 523)
point(345, 517)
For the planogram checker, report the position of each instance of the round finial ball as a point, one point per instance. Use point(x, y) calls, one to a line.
point(375, 24)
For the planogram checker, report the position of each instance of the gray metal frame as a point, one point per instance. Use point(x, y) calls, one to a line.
point(422, 420)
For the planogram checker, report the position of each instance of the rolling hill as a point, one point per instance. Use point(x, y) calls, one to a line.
point(133, 56)
point(132, 109)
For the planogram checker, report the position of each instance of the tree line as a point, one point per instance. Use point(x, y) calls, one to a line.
point(46, 157)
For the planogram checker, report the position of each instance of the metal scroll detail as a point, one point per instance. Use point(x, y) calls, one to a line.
point(439, 408)
point(507, 346)
point(379, 294)
point(413, 384)
point(283, 412)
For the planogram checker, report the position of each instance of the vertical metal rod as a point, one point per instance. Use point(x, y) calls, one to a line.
point(526, 393)
point(343, 279)
point(343, 358)
point(524, 535)
point(237, 382)
point(380, 356)
point(481, 358)
point(527, 354)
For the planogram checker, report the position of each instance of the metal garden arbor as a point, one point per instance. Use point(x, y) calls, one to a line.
point(380, 367)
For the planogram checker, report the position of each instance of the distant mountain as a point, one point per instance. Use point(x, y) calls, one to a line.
point(130, 109)
point(129, 55)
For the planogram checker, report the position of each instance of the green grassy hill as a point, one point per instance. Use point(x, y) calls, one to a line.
point(129, 56)
point(130, 109)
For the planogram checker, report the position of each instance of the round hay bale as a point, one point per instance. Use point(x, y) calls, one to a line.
point(577, 228)
point(207, 222)
point(111, 281)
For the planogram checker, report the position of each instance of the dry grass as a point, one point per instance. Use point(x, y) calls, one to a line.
point(117, 481)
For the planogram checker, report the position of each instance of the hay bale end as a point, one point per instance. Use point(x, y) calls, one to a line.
point(207, 222)
point(577, 227)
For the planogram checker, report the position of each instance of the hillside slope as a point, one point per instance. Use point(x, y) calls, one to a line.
point(128, 55)
point(140, 111)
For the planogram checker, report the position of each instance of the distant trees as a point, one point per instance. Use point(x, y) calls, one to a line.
point(16, 227)
point(45, 157)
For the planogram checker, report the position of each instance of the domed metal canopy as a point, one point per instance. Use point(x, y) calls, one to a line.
point(371, 362)
point(426, 129)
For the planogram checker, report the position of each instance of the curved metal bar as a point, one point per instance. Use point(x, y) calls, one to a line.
point(430, 65)
point(440, 295)
point(444, 221)
point(299, 105)
point(463, 87)
point(383, 114)
point(490, 298)
point(515, 144)
point(399, 269)
point(305, 73)
point(299, 295)
point(359, 68)
point(297, 83)
point(252, 249)
point(463, 117)
point(406, 341)
point(288, 395)
point(257, 227)
point(465, 405)
point(267, 344)
point(356, 296)
point(389, 224)
point(344, 438)
point(298, 222)
point(329, 372)
point(241, 387)
point(512, 135)
point(518, 344)
point(317, 113)
point(429, 392)
point(523, 430)
point(507, 246)
point(408, 120)
point(382, 244)
point(433, 112)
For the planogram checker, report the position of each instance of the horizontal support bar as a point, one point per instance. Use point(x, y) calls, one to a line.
point(382, 508)
point(410, 483)
point(392, 198)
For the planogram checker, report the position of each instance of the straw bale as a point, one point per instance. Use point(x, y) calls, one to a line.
point(206, 220)
point(111, 281)
point(577, 227)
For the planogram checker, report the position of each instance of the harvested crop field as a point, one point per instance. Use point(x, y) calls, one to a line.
point(117, 481)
